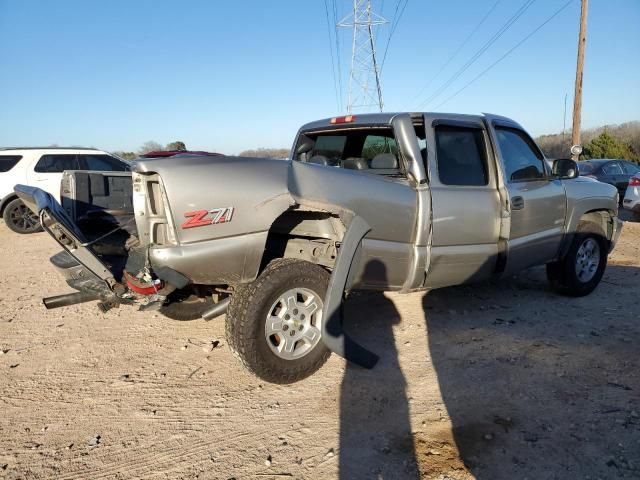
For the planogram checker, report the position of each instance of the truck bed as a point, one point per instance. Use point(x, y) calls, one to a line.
point(101, 205)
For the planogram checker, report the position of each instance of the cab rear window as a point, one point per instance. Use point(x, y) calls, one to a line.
point(7, 162)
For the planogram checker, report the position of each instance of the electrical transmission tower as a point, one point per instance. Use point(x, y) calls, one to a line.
point(365, 90)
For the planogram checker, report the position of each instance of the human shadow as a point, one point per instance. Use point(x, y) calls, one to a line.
point(538, 385)
point(375, 429)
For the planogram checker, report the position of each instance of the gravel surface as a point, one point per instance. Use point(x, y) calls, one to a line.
point(502, 380)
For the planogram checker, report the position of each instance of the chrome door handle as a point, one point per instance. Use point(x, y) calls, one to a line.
point(517, 203)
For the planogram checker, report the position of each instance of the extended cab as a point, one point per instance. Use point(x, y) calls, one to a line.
point(404, 202)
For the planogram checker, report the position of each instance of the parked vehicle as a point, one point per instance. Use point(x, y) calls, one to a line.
point(43, 167)
point(611, 171)
point(173, 153)
point(399, 202)
point(632, 196)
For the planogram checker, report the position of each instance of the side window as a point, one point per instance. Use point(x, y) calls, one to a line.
point(461, 156)
point(521, 159)
point(103, 163)
point(56, 163)
point(7, 162)
point(612, 168)
point(631, 168)
point(376, 144)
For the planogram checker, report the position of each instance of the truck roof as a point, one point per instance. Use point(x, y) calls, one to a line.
point(386, 118)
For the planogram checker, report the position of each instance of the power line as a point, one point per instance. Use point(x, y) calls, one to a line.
point(557, 12)
point(501, 31)
point(394, 25)
point(462, 45)
point(333, 66)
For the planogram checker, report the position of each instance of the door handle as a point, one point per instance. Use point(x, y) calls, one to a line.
point(517, 203)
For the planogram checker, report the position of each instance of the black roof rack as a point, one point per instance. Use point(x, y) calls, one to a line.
point(49, 148)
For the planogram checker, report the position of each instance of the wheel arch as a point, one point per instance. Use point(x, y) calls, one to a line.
point(5, 201)
point(303, 233)
point(604, 218)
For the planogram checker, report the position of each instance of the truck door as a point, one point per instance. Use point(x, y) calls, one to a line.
point(465, 202)
point(536, 203)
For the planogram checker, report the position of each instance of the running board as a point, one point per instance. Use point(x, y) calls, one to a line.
point(333, 334)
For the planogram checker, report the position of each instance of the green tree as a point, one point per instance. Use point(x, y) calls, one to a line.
point(177, 146)
point(607, 146)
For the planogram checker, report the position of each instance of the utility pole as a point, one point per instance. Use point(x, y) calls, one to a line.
point(365, 89)
point(564, 119)
point(576, 148)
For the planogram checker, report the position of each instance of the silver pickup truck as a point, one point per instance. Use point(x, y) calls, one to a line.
point(402, 202)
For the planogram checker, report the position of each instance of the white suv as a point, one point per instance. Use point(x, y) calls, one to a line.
point(42, 168)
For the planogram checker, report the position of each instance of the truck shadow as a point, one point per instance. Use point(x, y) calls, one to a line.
point(534, 384)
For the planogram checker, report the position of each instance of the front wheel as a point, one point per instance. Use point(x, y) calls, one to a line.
point(274, 323)
point(19, 218)
point(580, 271)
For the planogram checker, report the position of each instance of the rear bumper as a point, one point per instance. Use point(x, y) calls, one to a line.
point(80, 277)
point(631, 205)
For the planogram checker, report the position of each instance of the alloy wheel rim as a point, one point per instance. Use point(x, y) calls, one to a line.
point(293, 324)
point(587, 260)
point(23, 218)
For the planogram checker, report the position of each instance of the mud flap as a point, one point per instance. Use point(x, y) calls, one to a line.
point(333, 334)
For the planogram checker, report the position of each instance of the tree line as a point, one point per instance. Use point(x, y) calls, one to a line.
point(152, 146)
point(609, 141)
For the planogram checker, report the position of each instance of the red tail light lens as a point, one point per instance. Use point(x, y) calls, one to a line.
point(634, 182)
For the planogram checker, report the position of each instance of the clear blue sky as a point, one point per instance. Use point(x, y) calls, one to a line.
point(229, 75)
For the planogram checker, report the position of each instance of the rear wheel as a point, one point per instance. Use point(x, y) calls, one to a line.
point(581, 270)
point(274, 324)
point(19, 218)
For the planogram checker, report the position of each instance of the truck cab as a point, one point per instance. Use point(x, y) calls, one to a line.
point(450, 198)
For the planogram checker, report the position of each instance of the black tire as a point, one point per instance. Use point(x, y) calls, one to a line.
point(186, 305)
point(20, 219)
point(562, 275)
point(247, 316)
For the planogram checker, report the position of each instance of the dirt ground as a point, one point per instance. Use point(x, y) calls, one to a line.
point(504, 380)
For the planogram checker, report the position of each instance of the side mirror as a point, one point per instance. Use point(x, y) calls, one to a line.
point(565, 168)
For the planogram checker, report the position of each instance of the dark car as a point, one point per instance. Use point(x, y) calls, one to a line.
point(611, 171)
point(173, 153)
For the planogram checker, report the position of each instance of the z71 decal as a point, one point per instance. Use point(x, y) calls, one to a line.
point(200, 218)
